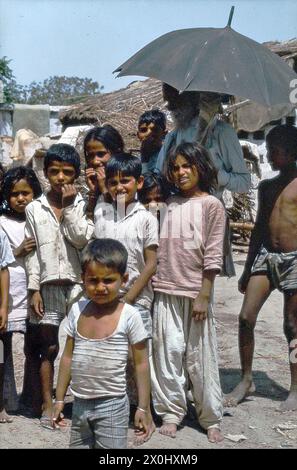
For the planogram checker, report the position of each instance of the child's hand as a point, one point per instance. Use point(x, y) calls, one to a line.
point(3, 318)
point(69, 193)
point(95, 179)
point(37, 303)
point(243, 281)
point(142, 423)
point(91, 179)
point(200, 307)
point(100, 173)
point(25, 247)
point(57, 414)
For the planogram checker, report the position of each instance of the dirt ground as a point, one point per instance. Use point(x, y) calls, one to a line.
point(256, 418)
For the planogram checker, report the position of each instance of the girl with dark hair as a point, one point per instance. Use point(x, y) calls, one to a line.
point(189, 257)
point(100, 144)
point(155, 189)
point(20, 187)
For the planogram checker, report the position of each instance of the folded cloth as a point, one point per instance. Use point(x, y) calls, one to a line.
point(33, 117)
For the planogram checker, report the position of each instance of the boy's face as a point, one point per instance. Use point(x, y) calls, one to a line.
point(102, 284)
point(277, 157)
point(154, 196)
point(20, 196)
point(124, 187)
point(59, 174)
point(146, 130)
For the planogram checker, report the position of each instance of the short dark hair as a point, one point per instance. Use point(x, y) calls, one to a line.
point(125, 164)
point(284, 136)
point(62, 153)
point(198, 156)
point(155, 116)
point(108, 136)
point(151, 180)
point(14, 175)
point(106, 251)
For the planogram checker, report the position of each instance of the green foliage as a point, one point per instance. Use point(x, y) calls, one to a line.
point(58, 90)
point(6, 76)
point(55, 90)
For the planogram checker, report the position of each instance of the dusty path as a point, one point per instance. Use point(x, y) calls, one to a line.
point(255, 418)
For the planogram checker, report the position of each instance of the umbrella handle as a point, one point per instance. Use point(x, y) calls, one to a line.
point(230, 16)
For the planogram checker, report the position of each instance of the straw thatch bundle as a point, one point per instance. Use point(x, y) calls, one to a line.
point(120, 108)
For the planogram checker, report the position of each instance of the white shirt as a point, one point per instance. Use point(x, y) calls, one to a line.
point(98, 367)
point(18, 301)
point(57, 243)
point(136, 230)
point(6, 255)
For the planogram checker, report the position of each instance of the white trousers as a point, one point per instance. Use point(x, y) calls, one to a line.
point(183, 347)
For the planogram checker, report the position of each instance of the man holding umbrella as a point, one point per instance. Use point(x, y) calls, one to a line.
point(195, 117)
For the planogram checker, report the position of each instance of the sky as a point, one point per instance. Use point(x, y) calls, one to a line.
point(91, 38)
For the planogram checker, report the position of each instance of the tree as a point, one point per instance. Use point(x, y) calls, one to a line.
point(6, 76)
point(58, 90)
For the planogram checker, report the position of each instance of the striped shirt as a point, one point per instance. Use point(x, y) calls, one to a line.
point(98, 367)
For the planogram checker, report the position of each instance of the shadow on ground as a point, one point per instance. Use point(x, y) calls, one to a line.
point(265, 386)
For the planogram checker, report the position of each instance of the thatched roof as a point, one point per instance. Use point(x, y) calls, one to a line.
point(120, 108)
point(123, 107)
point(286, 49)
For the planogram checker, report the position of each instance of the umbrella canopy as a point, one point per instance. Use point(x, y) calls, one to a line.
point(214, 59)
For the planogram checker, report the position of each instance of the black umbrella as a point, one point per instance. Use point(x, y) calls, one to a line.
point(214, 59)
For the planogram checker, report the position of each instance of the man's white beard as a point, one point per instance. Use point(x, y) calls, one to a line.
point(182, 117)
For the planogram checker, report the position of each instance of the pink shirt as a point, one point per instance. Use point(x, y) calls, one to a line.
point(191, 241)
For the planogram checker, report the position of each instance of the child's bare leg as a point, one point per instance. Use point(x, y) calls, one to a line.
point(31, 394)
point(6, 339)
point(50, 349)
point(215, 435)
point(257, 292)
point(290, 330)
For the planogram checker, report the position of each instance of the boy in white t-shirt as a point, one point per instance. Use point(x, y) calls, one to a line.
point(100, 329)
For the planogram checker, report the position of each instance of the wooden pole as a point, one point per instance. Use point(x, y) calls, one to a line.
point(230, 16)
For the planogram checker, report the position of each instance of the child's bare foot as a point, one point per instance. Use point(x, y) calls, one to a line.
point(244, 388)
point(291, 402)
point(168, 429)
point(215, 435)
point(140, 438)
point(4, 417)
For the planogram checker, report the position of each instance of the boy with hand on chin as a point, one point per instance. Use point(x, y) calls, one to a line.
point(58, 223)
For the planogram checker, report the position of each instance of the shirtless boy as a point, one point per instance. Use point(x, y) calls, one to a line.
point(272, 259)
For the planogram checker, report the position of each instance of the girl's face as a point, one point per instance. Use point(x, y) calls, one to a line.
point(154, 196)
point(20, 195)
point(97, 154)
point(185, 176)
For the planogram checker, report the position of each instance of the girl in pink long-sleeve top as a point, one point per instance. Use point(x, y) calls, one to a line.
point(189, 257)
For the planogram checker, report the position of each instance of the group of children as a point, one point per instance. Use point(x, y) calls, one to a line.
point(132, 267)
